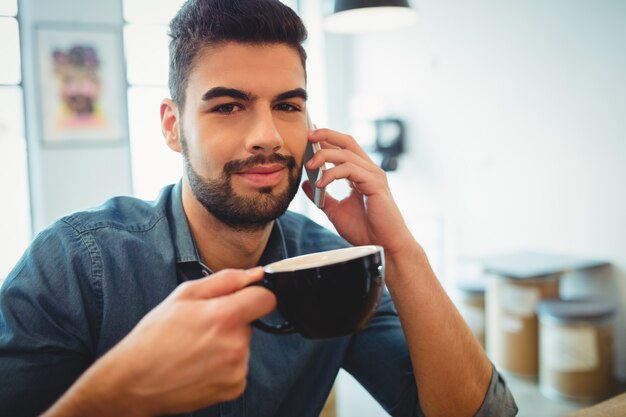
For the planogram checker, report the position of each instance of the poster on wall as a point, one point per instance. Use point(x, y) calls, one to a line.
point(81, 88)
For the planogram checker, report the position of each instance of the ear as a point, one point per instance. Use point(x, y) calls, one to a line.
point(170, 124)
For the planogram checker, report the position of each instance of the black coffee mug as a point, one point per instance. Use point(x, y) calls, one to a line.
point(326, 294)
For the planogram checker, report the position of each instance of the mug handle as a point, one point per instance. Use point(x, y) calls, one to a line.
point(284, 328)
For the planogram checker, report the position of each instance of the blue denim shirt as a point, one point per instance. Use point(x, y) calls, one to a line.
point(87, 280)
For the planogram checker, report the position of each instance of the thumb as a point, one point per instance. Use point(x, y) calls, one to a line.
point(329, 201)
point(224, 282)
point(250, 303)
point(308, 190)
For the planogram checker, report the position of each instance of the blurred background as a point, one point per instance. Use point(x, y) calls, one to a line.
point(511, 117)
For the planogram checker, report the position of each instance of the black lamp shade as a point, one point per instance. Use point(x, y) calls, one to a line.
point(361, 16)
point(343, 5)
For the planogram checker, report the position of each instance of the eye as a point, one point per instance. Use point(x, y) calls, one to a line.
point(286, 107)
point(226, 108)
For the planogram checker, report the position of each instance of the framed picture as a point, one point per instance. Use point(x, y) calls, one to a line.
point(81, 84)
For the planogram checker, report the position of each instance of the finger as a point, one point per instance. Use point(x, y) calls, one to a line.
point(337, 139)
point(365, 181)
point(250, 303)
point(224, 282)
point(340, 156)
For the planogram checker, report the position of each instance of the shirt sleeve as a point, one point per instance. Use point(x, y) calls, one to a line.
point(379, 359)
point(47, 312)
point(498, 401)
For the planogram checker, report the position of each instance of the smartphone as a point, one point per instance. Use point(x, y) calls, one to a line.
point(314, 174)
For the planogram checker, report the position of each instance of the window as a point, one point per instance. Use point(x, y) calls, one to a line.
point(8, 7)
point(15, 221)
point(145, 41)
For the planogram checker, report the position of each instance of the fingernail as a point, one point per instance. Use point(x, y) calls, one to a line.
point(254, 271)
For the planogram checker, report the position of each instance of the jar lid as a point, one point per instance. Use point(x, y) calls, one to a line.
point(576, 309)
point(536, 265)
point(471, 286)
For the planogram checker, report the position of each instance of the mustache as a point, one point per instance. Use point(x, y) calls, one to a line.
point(238, 165)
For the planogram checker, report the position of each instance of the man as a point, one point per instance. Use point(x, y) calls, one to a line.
point(100, 318)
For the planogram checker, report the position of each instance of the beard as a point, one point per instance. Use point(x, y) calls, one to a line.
point(243, 213)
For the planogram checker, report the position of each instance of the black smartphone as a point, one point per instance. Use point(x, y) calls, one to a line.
point(314, 174)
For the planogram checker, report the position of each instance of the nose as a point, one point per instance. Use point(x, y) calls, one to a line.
point(264, 136)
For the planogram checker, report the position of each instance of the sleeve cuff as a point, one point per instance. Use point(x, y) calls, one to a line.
point(498, 401)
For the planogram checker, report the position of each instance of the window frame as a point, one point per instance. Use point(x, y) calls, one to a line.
point(29, 232)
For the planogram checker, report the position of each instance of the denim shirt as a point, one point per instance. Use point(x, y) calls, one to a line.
point(87, 280)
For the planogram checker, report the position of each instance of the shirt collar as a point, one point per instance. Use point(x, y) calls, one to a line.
point(276, 248)
point(181, 234)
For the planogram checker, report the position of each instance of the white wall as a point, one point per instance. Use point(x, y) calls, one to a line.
point(517, 128)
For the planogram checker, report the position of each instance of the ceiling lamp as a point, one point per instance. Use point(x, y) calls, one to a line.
point(359, 16)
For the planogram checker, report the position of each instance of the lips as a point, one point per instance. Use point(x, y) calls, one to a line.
point(263, 175)
point(263, 169)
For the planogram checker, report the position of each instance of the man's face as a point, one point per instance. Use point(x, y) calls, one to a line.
point(243, 131)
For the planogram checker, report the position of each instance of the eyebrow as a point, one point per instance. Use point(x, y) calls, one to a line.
point(217, 92)
point(295, 93)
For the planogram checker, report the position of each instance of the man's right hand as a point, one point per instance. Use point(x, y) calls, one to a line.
point(191, 351)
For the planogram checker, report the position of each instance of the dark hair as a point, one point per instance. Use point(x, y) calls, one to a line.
point(201, 23)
